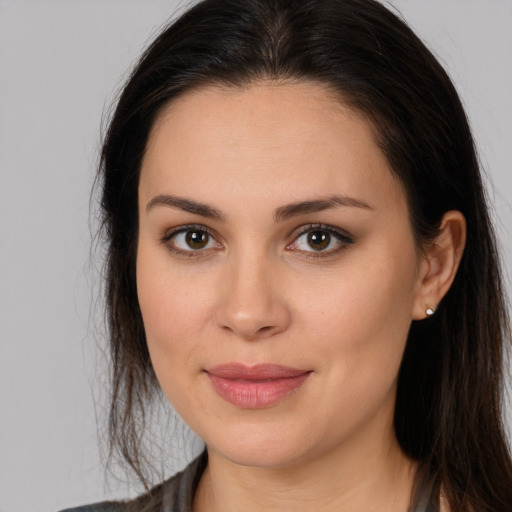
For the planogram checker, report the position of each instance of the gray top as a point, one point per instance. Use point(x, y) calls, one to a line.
point(173, 495)
point(176, 494)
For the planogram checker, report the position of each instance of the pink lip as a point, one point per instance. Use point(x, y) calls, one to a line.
point(255, 387)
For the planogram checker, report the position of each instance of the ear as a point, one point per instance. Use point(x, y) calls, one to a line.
point(439, 264)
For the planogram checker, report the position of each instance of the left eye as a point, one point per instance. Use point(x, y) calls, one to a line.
point(320, 240)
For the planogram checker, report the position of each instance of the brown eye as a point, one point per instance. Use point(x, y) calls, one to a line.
point(197, 239)
point(322, 240)
point(190, 240)
point(319, 240)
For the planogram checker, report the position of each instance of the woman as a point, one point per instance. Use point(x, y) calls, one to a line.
point(300, 257)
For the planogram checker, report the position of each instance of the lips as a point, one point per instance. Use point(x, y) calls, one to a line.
point(255, 387)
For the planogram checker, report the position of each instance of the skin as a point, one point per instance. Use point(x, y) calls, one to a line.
point(259, 293)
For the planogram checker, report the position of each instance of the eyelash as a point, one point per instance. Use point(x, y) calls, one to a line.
point(169, 235)
point(341, 236)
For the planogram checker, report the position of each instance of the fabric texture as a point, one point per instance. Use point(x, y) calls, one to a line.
point(177, 493)
point(173, 495)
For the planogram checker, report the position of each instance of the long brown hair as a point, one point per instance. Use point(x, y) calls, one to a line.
point(449, 401)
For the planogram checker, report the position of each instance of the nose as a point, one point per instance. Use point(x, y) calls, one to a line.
point(252, 304)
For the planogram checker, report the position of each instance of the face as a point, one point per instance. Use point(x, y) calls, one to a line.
point(276, 270)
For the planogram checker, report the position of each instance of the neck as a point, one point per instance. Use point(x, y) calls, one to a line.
point(369, 477)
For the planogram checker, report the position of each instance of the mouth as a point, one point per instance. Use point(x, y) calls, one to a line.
point(255, 387)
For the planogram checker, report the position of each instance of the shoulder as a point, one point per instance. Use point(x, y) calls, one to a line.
point(107, 506)
point(140, 503)
point(175, 494)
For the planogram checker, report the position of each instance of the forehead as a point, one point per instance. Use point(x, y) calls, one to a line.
point(263, 112)
point(291, 136)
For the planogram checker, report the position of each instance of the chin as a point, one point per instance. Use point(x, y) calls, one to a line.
point(274, 449)
point(262, 457)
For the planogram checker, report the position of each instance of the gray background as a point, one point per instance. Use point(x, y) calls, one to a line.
point(60, 64)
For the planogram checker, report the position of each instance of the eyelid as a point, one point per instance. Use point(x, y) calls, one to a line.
point(343, 236)
point(169, 233)
point(198, 253)
point(321, 227)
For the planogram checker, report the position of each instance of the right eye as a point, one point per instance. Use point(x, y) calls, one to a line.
point(190, 240)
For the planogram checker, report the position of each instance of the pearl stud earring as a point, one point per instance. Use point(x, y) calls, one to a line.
point(430, 311)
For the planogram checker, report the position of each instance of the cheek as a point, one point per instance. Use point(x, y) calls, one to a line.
point(359, 345)
point(362, 317)
point(173, 311)
point(378, 286)
point(172, 298)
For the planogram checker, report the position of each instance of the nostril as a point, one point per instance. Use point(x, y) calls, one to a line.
point(249, 333)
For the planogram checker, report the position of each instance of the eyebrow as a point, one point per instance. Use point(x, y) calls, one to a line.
point(280, 214)
point(317, 205)
point(187, 205)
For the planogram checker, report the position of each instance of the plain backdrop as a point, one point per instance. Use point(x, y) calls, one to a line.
point(61, 62)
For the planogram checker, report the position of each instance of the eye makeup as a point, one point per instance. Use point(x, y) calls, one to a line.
point(319, 240)
point(316, 240)
point(191, 241)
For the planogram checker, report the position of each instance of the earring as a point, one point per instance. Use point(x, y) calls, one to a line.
point(430, 311)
